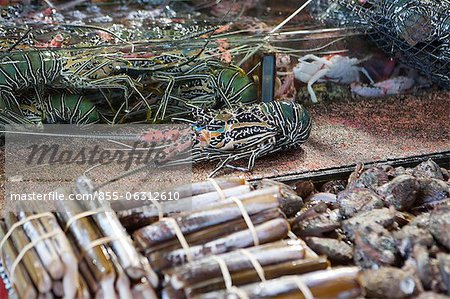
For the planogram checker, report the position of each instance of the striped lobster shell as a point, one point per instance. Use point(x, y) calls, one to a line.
point(248, 132)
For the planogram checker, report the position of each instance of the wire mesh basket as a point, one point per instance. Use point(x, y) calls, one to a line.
point(417, 31)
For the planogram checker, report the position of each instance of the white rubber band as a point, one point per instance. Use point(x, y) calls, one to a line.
point(244, 213)
point(225, 272)
point(98, 242)
point(238, 292)
point(258, 268)
point(21, 222)
point(227, 278)
point(28, 247)
point(303, 288)
point(160, 209)
point(181, 238)
point(247, 220)
point(292, 235)
point(81, 215)
point(218, 189)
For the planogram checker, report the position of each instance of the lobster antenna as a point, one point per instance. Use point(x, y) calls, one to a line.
point(101, 29)
point(50, 4)
point(19, 41)
point(69, 4)
point(141, 168)
point(275, 29)
point(208, 39)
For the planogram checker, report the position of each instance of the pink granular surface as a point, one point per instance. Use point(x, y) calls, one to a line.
point(362, 130)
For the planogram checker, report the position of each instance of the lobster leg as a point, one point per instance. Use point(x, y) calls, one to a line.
point(7, 99)
point(316, 58)
point(313, 80)
point(160, 114)
point(114, 82)
point(364, 71)
point(252, 155)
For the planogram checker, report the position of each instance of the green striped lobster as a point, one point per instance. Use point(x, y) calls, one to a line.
point(229, 135)
point(179, 82)
point(249, 132)
point(63, 108)
point(171, 83)
point(25, 71)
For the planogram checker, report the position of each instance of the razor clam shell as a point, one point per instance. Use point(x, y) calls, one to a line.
point(45, 249)
point(162, 231)
point(206, 186)
point(217, 231)
point(207, 268)
point(295, 267)
point(148, 213)
point(64, 250)
point(83, 232)
point(128, 257)
point(270, 231)
point(336, 283)
point(30, 260)
point(23, 285)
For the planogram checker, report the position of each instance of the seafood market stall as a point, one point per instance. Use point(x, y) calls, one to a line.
point(225, 149)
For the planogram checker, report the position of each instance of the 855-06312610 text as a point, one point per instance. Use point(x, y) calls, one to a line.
point(98, 195)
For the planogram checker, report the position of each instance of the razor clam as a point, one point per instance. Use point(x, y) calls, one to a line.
point(147, 214)
point(217, 231)
point(62, 246)
point(34, 229)
point(337, 283)
point(135, 267)
point(84, 232)
point(206, 268)
point(295, 267)
point(276, 259)
point(206, 186)
point(30, 260)
point(270, 231)
point(22, 282)
point(190, 222)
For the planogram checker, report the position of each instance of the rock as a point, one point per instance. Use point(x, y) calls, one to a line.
point(304, 188)
point(318, 223)
point(432, 191)
point(444, 271)
point(411, 235)
point(325, 197)
point(423, 265)
point(401, 192)
point(371, 178)
point(389, 282)
point(337, 251)
point(428, 169)
point(422, 221)
point(333, 186)
point(440, 225)
point(358, 200)
point(431, 295)
point(375, 246)
point(383, 216)
point(290, 202)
